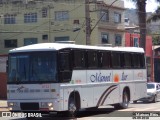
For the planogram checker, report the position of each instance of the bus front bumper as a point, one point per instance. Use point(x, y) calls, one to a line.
point(28, 105)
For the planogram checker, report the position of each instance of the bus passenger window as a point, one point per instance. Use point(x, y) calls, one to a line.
point(79, 59)
point(92, 59)
point(115, 60)
point(64, 61)
point(105, 59)
point(135, 60)
point(127, 60)
point(142, 60)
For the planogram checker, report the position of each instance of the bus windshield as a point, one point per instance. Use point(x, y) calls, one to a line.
point(32, 67)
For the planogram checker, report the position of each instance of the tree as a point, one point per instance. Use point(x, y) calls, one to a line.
point(141, 10)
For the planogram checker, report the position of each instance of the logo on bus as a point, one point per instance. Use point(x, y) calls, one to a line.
point(116, 78)
point(140, 74)
point(98, 77)
point(21, 88)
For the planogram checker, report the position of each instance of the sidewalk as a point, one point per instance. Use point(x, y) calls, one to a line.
point(3, 105)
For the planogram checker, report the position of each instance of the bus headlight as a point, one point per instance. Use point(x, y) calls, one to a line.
point(51, 108)
point(46, 104)
point(11, 104)
point(50, 104)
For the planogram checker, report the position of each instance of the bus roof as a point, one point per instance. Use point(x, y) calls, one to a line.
point(59, 46)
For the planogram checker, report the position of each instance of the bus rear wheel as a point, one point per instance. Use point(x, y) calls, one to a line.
point(125, 101)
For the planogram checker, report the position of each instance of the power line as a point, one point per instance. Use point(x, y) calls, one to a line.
point(103, 15)
point(28, 30)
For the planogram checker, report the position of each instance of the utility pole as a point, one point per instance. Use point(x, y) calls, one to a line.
point(88, 26)
point(49, 34)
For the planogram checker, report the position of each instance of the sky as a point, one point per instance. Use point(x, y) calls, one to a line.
point(151, 5)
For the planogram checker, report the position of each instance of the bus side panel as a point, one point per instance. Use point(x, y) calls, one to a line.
point(144, 75)
point(108, 91)
point(87, 96)
point(139, 78)
point(61, 99)
point(78, 77)
point(113, 96)
point(130, 82)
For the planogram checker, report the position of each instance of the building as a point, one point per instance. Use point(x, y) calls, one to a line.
point(156, 58)
point(25, 22)
point(3, 76)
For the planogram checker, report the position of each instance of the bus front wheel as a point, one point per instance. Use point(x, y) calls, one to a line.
point(72, 107)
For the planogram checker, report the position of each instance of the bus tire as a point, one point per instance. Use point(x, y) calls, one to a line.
point(125, 101)
point(72, 107)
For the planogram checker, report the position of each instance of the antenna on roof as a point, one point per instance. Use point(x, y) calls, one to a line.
point(66, 42)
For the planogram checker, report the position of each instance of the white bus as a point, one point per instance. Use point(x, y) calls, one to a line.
point(67, 77)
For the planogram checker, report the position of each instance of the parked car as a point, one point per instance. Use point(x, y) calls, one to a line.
point(153, 92)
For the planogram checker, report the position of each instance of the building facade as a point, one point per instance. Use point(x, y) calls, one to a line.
point(156, 57)
point(25, 22)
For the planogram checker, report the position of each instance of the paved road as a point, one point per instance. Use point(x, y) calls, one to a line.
point(104, 113)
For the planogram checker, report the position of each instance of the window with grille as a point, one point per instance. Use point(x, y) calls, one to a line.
point(44, 12)
point(29, 41)
point(61, 15)
point(118, 40)
point(30, 17)
point(117, 17)
point(11, 43)
point(105, 38)
point(104, 15)
point(9, 19)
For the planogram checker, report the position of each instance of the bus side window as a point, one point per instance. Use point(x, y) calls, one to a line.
point(92, 59)
point(79, 59)
point(135, 60)
point(127, 60)
point(64, 61)
point(65, 66)
point(122, 60)
point(105, 59)
point(142, 60)
point(115, 60)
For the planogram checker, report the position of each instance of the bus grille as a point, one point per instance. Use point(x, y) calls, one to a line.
point(29, 106)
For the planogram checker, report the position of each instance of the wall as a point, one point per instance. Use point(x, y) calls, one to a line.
point(3, 85)
point(3, 77)
point(129, 42)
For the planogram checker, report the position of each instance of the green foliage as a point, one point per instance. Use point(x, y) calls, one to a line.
point(156, 40)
